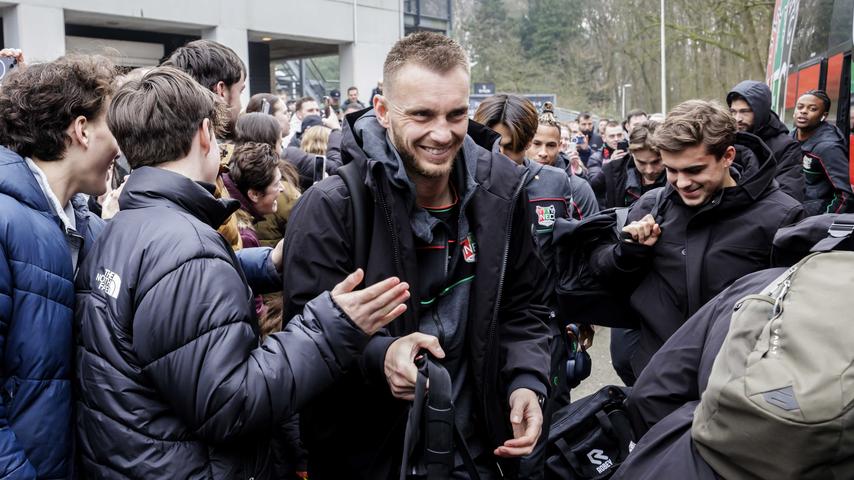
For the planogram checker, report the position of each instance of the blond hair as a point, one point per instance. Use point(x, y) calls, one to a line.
point(315, 140)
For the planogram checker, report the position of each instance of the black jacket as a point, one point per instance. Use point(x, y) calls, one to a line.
point(619, 184)
point(355, 430)
point(172, 379)
point(702, 250)
point(304, 162)
point(768, 127)
point(825, 164)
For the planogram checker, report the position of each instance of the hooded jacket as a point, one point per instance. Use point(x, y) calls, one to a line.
point(701, 250)
point(768, 127)
point(619, 184)
point(355, 429)
point(663, 401)
point(825, 165)
point(36, 318)
point(172, 378)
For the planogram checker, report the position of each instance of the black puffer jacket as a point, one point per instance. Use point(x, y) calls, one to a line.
point(172, 380)
point(355, 430)
point(825, 165)
point(619, 184)
point(768, 127)
point(702, 250)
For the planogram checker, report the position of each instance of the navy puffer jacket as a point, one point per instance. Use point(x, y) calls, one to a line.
point(36, 318)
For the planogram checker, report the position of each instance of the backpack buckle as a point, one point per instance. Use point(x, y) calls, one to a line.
point(840, 229)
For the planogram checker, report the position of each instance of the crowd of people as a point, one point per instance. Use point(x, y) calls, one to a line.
point(194, 289)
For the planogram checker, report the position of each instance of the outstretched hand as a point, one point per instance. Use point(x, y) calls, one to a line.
point(374, 307)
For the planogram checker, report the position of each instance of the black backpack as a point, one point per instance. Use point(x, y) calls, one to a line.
point(581, 295)
point(363, 212)
point(591, 437)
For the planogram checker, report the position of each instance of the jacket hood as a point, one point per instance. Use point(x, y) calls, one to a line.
point(825, 132)
point(151, 187)
point(18, 182)
point(758, 96)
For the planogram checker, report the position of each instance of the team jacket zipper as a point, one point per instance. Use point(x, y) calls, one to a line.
point(493, 325)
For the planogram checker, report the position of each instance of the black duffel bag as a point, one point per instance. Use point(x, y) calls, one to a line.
point(581, 294)
point(591, 437)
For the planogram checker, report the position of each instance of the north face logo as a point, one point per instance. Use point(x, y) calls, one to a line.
point(599, 460)
point(109, 282)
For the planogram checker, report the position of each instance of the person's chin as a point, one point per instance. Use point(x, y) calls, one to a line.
point(692, 199)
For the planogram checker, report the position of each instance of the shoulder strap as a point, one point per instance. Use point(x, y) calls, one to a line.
point(361, 202)
point(659, 201)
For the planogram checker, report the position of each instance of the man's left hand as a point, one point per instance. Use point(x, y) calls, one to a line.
point(526, 416)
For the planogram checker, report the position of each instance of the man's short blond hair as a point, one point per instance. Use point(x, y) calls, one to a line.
point(696, 122)
point(430, 50)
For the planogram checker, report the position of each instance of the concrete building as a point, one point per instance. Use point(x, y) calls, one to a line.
point(264, 33)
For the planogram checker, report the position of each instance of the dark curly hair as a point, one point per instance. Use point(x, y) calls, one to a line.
point(39, 102)
point(253, 166)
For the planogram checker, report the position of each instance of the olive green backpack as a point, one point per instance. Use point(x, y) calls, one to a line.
point(780, 395)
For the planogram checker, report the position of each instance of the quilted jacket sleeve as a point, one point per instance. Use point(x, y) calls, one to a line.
point(14, 464)
point(202, 353)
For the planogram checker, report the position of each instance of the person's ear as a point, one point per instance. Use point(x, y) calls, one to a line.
point(254, 195)
point(78, 131)
point(381, 107)
point(220, 89)
point(729, 156)
point(205, 136)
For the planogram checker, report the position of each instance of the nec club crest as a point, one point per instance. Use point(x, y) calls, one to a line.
point(546, 215)
point(469, 249)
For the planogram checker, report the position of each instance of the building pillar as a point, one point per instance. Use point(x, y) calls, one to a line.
point(37, 30)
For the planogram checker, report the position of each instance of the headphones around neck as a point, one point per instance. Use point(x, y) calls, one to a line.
point(578, 364)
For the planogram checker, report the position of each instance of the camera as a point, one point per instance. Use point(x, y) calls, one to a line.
point(623, 145)
point(6, 64)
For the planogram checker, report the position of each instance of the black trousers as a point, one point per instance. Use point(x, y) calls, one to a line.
point(624, 344)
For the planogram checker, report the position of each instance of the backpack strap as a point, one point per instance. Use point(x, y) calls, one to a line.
point(659, 201)
point(838, 232)
point(361, 201)
point(433, 410)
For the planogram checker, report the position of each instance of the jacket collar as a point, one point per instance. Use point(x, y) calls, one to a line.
point(151, 187)
point(18, 182)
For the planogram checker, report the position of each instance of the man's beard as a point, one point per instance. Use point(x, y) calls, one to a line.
point(411, 163)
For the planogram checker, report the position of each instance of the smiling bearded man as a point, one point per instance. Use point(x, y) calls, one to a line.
point(447, 214)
